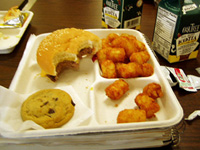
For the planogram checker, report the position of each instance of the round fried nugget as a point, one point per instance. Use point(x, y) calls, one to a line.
point(50, 108)
point(112, 36)
point(126, 42)
point(108, 69)
point(105, 43)
point(101, 55)
point(153, 90)
point(147, 70)
point(140, 46)
point(148, 104)
point(130, 70)
point(117, 89)
point(116, 54)
point(131, 115)
point(140, 57)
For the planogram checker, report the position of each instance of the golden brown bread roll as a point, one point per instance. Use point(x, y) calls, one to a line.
point(63, 49)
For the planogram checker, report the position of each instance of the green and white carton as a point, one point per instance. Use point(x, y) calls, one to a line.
point(122, 14)
point(177, 30)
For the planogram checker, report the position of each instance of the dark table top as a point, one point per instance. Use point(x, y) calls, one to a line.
point(56, 14)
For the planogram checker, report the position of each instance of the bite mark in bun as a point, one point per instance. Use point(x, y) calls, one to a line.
point(64, 48)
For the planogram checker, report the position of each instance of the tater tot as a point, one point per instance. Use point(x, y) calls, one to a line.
point(129, 70)
point(101, 55)
point(117, 89)
point(126, 43)
point(112, 36)
point(116, 54)
point(108, 69)
point(140, 57)
point(105, 43)
point(148, 104)
point(140, 46)
point(153, 90)
point(147, 70)
point(131, 115)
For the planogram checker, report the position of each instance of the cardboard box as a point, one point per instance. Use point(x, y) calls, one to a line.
point(176, 34)
point(122, 14)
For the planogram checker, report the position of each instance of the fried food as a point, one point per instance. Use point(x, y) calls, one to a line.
point(105, 43)
point(112, 36)
point(131, 115)
point(116, 54)
point(140, 46)
point(101, 55)
point(148, 104)
point(140, 57)
point(117, 89)
point(153, 90)
point(108, 69)
point(127, 43)
point(130, 70)
point(128, 54)
point(147, 70)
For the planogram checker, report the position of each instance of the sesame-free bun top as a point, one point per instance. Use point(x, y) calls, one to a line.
point(64, 45)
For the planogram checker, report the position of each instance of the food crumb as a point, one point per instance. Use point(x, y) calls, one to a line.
point(18, 36)
point(116, 105)
point(3, 36)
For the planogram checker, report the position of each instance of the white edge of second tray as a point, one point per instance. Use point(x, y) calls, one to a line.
point(14, 35)
point(101, 128)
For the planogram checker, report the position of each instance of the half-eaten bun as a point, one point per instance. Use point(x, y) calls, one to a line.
point(63, 49)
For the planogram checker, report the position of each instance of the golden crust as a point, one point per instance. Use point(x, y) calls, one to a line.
point(117, 89)
point(64, 45)
point(131, 115)
point(148, 104)
point(153, 90)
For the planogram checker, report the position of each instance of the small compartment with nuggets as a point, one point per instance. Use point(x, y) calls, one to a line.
point(133, 96)
point(124, 56)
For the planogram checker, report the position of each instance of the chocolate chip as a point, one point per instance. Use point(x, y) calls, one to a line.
point(73, 103)
point(51, 111)
point(44, 104)
point(55, 99)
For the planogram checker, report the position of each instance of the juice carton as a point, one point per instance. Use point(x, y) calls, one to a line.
point(177, 29)
point(122, 13)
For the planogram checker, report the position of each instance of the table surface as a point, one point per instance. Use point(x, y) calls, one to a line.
point(56, 14)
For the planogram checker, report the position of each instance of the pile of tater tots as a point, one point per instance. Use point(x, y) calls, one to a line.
point(123, 56)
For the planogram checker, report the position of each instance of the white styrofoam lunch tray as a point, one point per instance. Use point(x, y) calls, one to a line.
point(12, 36)
point(90, 86)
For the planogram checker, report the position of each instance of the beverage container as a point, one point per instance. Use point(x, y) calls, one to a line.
point(122, 14)
point(177, 29)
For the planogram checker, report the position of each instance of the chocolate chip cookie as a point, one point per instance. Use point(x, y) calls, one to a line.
point(50, 108)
